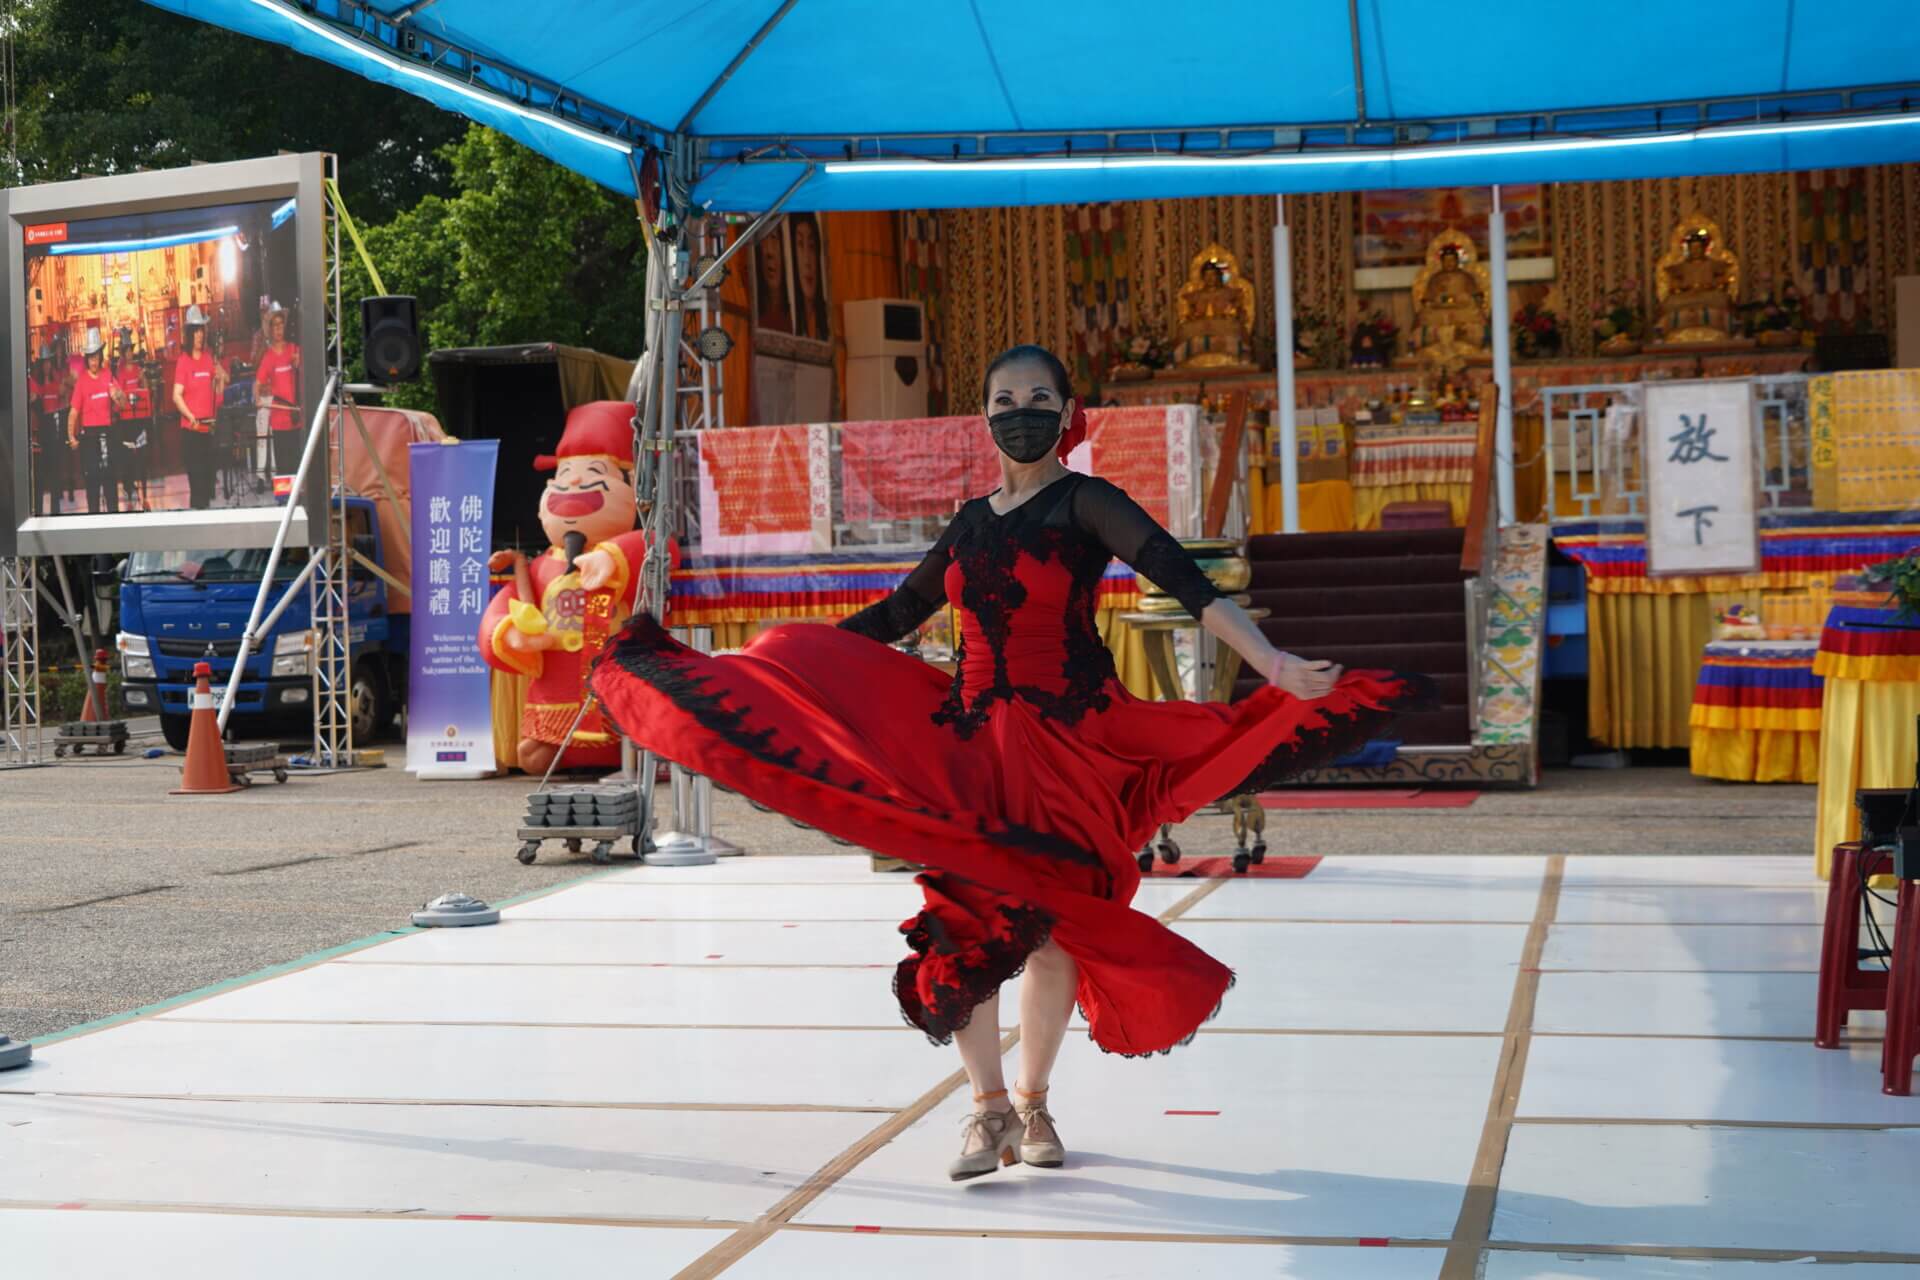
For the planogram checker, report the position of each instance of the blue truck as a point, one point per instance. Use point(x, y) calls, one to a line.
point(179, 608)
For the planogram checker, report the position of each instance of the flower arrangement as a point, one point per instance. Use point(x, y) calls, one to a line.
point(1901, 579)
point(1139, 354)
point(1619, 315)
point(1779, 312)
point(1374, 337)
point(1317, 342)
point(1536, 332)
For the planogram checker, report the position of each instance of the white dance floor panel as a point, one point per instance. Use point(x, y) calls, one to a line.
point(726, 1166)
point(675, 996)
point(1752, 1081)
point(1703, 1187)
point(1313, 1136)
point(1484, 890)
point(484, 1064)
point(652, 1053)
point(1365, 977)
point(217, 1246)
point(1684, 948)
point(824, 1255)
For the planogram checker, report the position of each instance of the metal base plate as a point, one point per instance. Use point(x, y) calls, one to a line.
point(455, 910)
point(14, 1053)
point(679, 849)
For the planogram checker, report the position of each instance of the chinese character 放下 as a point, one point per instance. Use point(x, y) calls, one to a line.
point(471, 509)
point(1694, 442)
point(439, 572)
point(440, 602)
point(440, 510)
point(1700, 521)
point(472, 571)
point(441, 543)
point(469, 541)
point(470, 601)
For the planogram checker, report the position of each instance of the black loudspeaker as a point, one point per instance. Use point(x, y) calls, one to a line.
point(390, 328)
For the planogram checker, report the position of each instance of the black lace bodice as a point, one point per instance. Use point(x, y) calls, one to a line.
point(1029, 580)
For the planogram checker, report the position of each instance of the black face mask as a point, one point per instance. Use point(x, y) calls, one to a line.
point(1025, 435)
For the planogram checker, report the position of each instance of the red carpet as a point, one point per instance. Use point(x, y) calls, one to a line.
point(1221, 868)
point(1368, 799)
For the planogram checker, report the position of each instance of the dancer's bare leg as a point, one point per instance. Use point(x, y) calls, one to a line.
point(1046, 1002)
point(979, 1043)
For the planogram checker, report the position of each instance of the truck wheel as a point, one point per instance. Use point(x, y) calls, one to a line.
point(368, 703)
point(175, 730)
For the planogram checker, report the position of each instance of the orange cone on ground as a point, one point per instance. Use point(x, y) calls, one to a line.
point(96, 707)
point(205, 772)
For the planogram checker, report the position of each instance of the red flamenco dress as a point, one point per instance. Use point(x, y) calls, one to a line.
point(1026, 784)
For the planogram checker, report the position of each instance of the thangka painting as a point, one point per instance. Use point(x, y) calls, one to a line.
point(1396, 226)
point(1830, 247)
point(792, 316)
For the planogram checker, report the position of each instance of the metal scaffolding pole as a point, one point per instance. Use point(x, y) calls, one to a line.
point(20, 736)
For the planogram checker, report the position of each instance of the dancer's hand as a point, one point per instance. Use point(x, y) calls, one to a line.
point(1301, 678)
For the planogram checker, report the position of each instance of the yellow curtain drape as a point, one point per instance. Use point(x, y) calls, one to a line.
point(1129, 653)
point(1756, 755)
point(1326, 506)
point(1866, 740)
point(1370, 500)
point(1643, 658)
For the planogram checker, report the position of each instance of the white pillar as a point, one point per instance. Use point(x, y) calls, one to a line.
point(1502, 358)
point(1285, 415)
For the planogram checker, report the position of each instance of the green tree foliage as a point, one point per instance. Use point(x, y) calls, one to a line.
point(522, 251)
point(111, 86)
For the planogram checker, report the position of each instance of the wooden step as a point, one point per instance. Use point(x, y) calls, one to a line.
point(1333, 574)
point(1356, 545)
point(1298, 633)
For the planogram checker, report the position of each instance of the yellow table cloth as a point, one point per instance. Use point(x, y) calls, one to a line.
point(1871, 666)
point(1756, 712)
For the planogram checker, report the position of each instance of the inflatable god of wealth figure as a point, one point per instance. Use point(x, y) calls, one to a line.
point(557, 614)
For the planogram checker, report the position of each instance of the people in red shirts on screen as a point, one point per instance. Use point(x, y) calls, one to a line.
point(277, 384)
point(96, 395)
point(198, 383)
point(135, 429)
point(47, 394)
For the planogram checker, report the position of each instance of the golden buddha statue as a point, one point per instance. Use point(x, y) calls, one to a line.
point(1697, 282)
point(1215, 314)
point(1452, 300)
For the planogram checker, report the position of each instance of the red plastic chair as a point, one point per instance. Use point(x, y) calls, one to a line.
point(1844, 985)
point(1903, 996)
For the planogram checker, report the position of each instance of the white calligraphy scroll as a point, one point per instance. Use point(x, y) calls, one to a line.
point(1183, 470)
point(1701, 509)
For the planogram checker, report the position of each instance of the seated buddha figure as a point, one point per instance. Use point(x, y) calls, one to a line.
point(1450, 303)
point(1696, 286)
point(1214, 322)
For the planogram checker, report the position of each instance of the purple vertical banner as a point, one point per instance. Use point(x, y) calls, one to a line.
point(449, 703)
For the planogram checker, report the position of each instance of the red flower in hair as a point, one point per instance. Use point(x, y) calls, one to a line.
point(1076, 432)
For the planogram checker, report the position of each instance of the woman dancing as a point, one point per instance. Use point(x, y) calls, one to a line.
point(1026, 784)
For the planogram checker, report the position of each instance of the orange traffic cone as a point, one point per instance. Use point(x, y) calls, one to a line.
point(205, 772)
point(96, 708)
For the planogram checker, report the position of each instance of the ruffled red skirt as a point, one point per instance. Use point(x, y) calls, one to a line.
point(1030, 826)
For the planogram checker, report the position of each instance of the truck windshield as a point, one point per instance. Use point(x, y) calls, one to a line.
point(237, 565)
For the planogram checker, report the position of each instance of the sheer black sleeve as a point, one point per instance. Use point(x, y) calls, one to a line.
point(1104, 512)
point(914, 600)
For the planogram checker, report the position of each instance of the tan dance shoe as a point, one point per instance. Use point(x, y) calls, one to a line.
point(1039, 1141)
point(991, 1138)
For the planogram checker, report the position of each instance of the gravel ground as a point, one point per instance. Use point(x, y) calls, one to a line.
point(114, 895)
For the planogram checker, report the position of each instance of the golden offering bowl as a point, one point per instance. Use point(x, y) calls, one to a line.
point(1219, 558)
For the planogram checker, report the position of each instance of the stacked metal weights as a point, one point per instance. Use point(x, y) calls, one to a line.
point(599, 806)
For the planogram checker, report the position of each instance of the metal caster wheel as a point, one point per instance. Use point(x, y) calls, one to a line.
point(603, 852)
point(1169, 851)
point(1240, 861)
point(528, 852)
point(279, 775)
point(1146, 860)
point(1259, 853)
point(573, 845)
point(244, 779)
point(59, 752)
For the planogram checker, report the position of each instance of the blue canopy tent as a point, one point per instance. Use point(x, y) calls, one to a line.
point(754, 105)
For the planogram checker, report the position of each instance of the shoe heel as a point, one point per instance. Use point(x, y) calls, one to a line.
point(1009, 1156)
